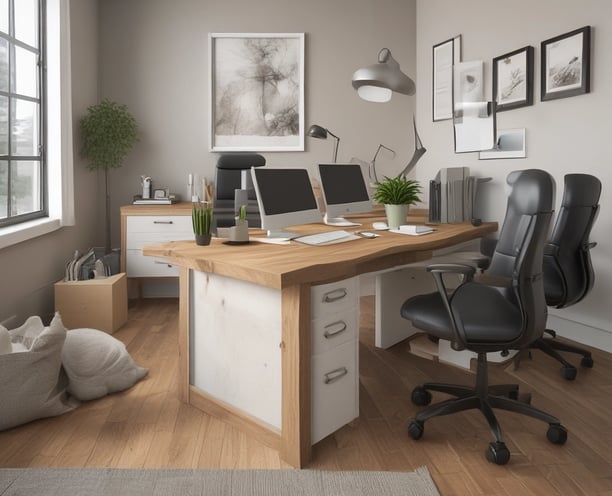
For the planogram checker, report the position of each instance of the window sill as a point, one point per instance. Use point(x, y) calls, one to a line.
point(11, 235)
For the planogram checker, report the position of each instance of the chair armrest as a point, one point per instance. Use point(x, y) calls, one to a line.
point(551, 249)
point(590, 245)
point(451, 268)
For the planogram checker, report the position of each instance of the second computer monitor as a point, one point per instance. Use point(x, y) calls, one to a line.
point(285, 198)
point(344, 192)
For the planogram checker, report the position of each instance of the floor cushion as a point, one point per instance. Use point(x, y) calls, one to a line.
point(31, 384)
point(98, 364)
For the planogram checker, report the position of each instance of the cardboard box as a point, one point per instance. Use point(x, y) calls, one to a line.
point(96, 303)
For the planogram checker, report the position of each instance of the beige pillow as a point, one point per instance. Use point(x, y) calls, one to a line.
point(30, 385)
point(97, 364)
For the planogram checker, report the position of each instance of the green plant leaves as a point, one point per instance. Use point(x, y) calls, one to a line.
point(201, 218)
point(397, 191)
point(109, 131)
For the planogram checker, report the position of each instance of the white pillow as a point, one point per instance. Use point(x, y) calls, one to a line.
point(31, 385)
point(5, 341)
point(98, 364)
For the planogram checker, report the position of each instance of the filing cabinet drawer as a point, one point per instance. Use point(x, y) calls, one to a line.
point(177, 224)
point(140, 266)
point(335, 389)
point(334, 330)
point(334, 297)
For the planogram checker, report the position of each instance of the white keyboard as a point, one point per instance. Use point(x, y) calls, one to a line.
point(327, 238)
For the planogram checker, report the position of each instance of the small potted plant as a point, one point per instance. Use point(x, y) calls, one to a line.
point(240, 232)
point(201, 218)
point(397, 194)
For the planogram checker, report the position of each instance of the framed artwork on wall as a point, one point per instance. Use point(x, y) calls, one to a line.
point(513, 79)
point(256, 92)
point(445, 55)
point(566, 64)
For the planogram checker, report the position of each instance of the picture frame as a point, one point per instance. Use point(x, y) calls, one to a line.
point(256, 91)
point(510, 143)
point(444, 55)
point(513, 79)
point(566, 65)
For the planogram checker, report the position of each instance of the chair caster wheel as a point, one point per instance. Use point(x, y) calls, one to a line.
point(556, 434)
point(587, 362)
point(498, 453)
point(420, 396)
point(569, 373)
point(416, 429)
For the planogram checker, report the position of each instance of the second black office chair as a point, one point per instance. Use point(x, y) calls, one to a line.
point(568, 272)
point(504, 309)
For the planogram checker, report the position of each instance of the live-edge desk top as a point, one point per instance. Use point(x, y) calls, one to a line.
point(280, 266)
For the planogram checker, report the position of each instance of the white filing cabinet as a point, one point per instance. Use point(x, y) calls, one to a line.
point(335, 356)
point(145, 224)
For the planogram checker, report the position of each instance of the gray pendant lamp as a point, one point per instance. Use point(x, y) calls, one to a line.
point(377, 82)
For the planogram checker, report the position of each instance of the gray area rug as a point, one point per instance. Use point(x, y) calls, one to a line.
point(185, 482)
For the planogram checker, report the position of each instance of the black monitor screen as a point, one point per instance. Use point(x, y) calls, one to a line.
point(284, 190)
point(343, 183)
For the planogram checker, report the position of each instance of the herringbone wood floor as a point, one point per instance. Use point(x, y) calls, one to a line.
point(147, 426)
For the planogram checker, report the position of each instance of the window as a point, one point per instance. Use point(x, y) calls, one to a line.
point(22, 90)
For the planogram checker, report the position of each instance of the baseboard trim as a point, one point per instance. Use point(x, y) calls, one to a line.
point(581, 333)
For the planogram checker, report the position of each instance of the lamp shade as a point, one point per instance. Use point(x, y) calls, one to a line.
point(377, 82)
point(319, 132)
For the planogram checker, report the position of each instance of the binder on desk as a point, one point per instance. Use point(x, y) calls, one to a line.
point(452, 195)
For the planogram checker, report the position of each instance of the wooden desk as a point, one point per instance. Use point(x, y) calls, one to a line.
point(246, 288)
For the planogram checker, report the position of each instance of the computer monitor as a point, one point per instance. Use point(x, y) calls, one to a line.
point(285, 198)
point(344, 192)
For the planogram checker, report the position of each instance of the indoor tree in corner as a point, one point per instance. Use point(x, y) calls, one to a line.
point(109, 131)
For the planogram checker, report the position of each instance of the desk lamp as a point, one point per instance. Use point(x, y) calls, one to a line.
point(316, 131)
point(377, 82)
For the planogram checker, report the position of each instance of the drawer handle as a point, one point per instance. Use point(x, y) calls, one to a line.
point(333, 333)
point(163, 222)
point(335, 375)
point(335, 295)
point(158, 262)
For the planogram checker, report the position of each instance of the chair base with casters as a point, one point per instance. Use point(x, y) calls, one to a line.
point(551, 347)
point(485, 398)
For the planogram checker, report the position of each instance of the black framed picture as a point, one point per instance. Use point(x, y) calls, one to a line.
point(566, 64)
point(513, 79)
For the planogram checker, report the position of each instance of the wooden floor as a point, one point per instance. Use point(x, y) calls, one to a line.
point(148, 427)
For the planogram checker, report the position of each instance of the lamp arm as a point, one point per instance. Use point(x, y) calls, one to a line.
point(419, 151)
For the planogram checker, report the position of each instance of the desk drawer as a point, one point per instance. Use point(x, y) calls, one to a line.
point(334, 297)
point(159, 224)
point(335, 389)
point(135, 241)
point(335, 329)
point(138, 265)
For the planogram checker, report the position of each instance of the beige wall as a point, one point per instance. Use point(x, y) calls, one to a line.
point(563, 136)
point(154, 58)
point(30, 269)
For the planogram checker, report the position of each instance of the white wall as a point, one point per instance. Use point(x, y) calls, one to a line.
point(563, 136)
point(30, 269)
point(154, 58)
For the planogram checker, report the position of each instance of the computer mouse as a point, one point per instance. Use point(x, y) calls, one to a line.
point(380, 226)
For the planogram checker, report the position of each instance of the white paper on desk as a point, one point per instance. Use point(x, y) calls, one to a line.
point(411, 230)
point(350, 237)
point(272, 241)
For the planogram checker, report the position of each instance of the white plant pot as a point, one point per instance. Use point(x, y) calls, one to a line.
point(396, 215)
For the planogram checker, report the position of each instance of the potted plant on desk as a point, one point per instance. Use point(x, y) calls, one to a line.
point(397, 194)
point(201, 218)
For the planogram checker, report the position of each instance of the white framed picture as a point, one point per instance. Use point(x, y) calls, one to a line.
point(256, 91)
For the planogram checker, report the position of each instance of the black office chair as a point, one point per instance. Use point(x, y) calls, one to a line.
point(568, 272)
point(228, 178)
point(504, 309)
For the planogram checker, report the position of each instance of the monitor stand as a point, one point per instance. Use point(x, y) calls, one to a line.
point(338, 221)
point(281, 235)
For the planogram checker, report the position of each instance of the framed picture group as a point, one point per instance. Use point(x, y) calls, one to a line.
point(564, 72)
